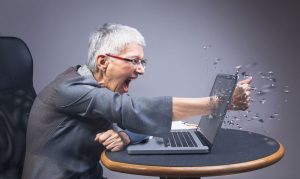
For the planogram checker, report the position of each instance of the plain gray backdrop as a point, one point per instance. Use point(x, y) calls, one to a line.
point(188, 43)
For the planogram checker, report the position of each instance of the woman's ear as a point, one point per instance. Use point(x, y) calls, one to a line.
point(101, 62)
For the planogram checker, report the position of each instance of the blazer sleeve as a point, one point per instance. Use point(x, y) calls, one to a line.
point(84, 97)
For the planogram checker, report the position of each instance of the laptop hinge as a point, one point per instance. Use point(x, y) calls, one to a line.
point(203, 139)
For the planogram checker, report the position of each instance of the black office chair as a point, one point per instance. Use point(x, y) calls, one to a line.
point(16, 98)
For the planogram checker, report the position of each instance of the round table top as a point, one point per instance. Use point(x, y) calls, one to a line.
point(234, 151)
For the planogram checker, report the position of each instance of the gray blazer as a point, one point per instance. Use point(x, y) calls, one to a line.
point(70, 111)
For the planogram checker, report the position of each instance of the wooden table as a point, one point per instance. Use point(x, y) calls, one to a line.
point(234, 151)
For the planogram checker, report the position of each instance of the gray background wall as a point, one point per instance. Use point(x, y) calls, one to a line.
point(184, 39)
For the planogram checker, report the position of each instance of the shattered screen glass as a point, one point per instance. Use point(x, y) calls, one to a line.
point(223, 88)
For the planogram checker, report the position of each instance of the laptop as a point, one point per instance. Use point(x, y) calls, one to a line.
point(199, 140)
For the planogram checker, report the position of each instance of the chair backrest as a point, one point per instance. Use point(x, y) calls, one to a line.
point(16, 97)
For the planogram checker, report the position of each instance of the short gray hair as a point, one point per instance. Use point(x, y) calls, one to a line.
point(111, 38)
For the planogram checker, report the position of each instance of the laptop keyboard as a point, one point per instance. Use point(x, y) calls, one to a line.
point(180, 139)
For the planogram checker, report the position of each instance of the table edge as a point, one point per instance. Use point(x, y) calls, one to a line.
point(193, 171)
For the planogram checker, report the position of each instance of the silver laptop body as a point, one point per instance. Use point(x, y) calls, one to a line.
point(199, 140)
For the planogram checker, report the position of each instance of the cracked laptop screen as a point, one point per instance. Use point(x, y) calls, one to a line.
point(223, 87)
